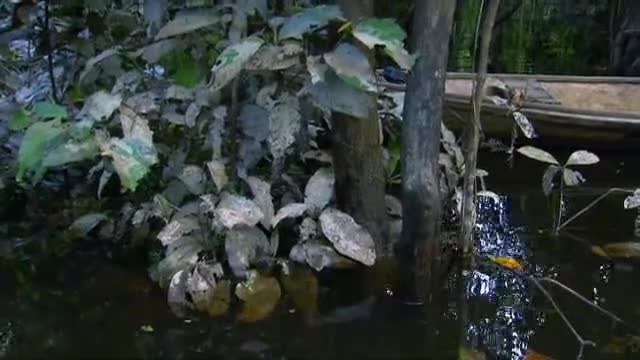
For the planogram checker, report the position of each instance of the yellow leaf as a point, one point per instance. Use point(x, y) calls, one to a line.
point(507, 261)
point(346, 26)
point(532, 355)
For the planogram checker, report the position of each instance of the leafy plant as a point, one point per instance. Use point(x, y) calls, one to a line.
point(568, 176)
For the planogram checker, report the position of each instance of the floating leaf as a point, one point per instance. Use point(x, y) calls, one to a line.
point(237, 210)
point(220, 301)
point(309, 20)
point(352, 66)
point(508, 262)
point(38, 138)
point(319, 190)
point(632, 202)
point(374, 32)
point(232, 60)
point(194, 178)
point(572, 177)
point(349, 238)
point(547, 179)
point(260, 295)
point(284, 124)
point(20, 120)
point(538, 154)
point(261, 191)
point(188, 21)
point(100, 106)
point(218, 173)
point(582, 157)
point(301, 286)
point(289, 211)
point(243, 245)
point(48, 110)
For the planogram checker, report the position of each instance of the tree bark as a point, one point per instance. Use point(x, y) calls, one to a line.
point(422, 206)
point(473, 140)
point(357, 156)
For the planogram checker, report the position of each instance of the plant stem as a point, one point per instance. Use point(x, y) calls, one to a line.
point(591, 205)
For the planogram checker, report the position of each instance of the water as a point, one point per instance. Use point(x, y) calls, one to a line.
point(94, 301)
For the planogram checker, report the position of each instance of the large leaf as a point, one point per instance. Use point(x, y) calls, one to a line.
point(309, 20)
point(100, 106)
point(319, 190)
point(289, 211)
point(194, 178)
point(177, 294)
point(547, 178)
point(261, 191)
point(188, 21)
point(319, 256)
point(629, 250)
point(176, 229)
point(132, 159)
point(260, 295)
point(538, 154)
point(70, 152)
point(582, 157)
point(273, 57)
point(232, 60)
point(633, 201)
point(385, 32)
point(37, 140)
point(349, 238)
point(334, 94)
point(352, 66)
point(202, 285)
point(237, 210)
point(180, 254)
point(48, 110)
point(243, 245)
point(284, 124)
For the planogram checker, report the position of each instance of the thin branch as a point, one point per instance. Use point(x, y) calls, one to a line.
point(580, 339)
point(48, 38)
point(591, 205)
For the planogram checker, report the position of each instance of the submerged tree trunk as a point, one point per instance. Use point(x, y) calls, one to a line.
point(422, 206)
point(357, 155)
point(473, 139)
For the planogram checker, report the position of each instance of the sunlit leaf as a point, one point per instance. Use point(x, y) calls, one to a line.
point(260, 295)
point(348, 238)
point(132, 159)
point(538, 154)
point(188, 21)
point(525, 125)
point(582, 157)
point(237, 210)
point(547, 179)
point(572, 177)
point(319, 190)
point(284, 125)
point(232, 60)
point(176, 229)
point(100, 106)
point(261, 191)
point(38, 138)
point(352, 66)
point(387, 33)
point(508, 262)
point(289, 211)
point(633, 201)
point(243, 245)
point(309, 20)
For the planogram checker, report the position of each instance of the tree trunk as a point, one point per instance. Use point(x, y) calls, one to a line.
point(357, 156)
point(625, 58)
point(422, 206)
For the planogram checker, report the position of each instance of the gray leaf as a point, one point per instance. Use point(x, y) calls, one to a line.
point(582, 157)
point(218, 173)
point(236, 210)
point(261, 191)
point(632, 202)
point(243, 245)
point(194, 179)
point(572, 177)
point(176, 229)
point(319, 190)
point(177, 294)
point(188, 21)
point(348, 238)
point(84, 224)
point(309, 20)
point(289, 211)
point(547, 179)
point(284, 124)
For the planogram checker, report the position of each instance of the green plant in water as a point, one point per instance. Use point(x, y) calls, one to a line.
point(569, 177)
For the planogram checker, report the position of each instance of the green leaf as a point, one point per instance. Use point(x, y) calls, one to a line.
point(183, 69)
point(232, 60)
point(20, 120)
point(188, 21)
point(70, 152)
point(309, 20)
point(132, 159)
point(387, 33)
point(48, 110)
point(37, 140)
point(352, 66)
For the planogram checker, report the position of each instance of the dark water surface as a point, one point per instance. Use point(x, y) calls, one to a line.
point(91, 303)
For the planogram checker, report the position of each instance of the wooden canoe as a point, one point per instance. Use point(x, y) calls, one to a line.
point(572, 110)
